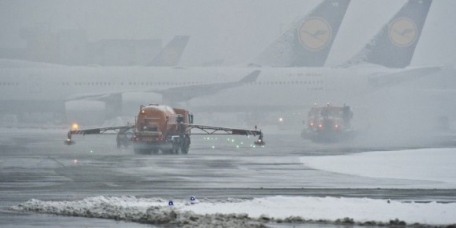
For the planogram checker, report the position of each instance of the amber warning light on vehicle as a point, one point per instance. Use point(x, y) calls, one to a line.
point(74, 126)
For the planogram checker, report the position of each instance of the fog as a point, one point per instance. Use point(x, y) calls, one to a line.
point(403, 116)
point(234, 31)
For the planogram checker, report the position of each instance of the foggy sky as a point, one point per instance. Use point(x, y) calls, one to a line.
point(234, 30)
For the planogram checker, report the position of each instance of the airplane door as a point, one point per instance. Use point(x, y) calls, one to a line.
point(34, 84)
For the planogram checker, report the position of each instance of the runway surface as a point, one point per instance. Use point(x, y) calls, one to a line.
point(35, 164)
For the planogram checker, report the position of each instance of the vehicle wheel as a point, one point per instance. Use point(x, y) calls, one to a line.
point(185, 147)
point(167, 151)
point(175, 149)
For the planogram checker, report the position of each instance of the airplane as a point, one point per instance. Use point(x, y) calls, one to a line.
point(400, 36)
point(50, 89)
point(171, 53)
point(230, 89)
point(383, 63)
point(168, 56)
point(384, 60)
point(307, 43)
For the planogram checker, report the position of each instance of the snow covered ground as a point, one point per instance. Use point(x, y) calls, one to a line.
point(419, 164)
point(422, 164)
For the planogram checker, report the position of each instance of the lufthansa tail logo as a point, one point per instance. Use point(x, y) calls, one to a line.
point(402, 32)
point(315, 33)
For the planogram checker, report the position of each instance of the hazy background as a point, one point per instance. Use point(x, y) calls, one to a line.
point(235, 31)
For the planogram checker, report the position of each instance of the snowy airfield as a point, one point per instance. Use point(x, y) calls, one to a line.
point(434, 164)
point(243, 213)
point(234, 187)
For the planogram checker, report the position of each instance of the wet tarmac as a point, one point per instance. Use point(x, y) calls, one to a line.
point(35, 164)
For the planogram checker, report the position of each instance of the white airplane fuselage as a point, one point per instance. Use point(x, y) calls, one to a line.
point(274, 86)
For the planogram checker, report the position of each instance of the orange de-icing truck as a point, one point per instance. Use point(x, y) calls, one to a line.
point(162, 128)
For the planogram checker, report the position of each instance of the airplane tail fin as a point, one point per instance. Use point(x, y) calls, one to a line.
point(308, 42)
point(252, 77)
point(171, 53)
point(395, 43)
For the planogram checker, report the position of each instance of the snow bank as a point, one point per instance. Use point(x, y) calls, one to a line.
point(419, 164)
point(250, 213)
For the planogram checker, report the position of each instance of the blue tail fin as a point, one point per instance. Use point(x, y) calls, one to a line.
point(395, 44)
point(309, 41)
point(171, 53)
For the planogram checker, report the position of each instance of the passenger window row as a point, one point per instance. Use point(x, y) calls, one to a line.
point(288, 83)
point(172, 83)
point(191, 83)
point(131, 83)
point(9, 83)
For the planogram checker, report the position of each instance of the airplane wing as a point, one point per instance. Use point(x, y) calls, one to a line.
point(173, 94)
point(389, 79)
point(184, 93)
point(95, 96)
